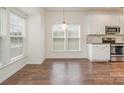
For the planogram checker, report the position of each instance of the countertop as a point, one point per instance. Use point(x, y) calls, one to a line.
point(97, 38)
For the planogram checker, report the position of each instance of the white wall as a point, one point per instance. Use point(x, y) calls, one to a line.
point(9, 67)
point(35, 45)
point(71, 17)
point(36, 35)
point(91, 23)
point(12, 68)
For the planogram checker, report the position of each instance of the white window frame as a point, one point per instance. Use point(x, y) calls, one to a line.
point(5, 37)
point(0, 23)
point(0, 40)
point(18, 13)
point(66, 40)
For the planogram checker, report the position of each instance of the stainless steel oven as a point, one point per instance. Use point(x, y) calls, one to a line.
point(117, 52)
point(108, 40)
point(112, 29)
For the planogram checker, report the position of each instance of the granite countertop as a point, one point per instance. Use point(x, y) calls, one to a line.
point(97, 38)
point(105, 35)
point(106, 43)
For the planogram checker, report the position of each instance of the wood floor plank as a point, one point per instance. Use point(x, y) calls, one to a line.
point(69, 72)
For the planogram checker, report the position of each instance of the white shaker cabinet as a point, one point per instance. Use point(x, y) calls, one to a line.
point(97, 22)
point(99, 52)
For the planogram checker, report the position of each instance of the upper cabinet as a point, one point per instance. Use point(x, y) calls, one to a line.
point(97, 22)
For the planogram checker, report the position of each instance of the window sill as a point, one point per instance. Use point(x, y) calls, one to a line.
point(17, 58)
point(57, 51)
point(13, 36)
point(12, 61)
point(17, 46)
point(1, 65)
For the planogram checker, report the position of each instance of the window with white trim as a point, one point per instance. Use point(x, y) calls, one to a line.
point(68, 40)
point(0, 41)
point(16, 32)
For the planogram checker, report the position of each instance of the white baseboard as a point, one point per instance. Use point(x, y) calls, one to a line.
point(36, 61)
point(11, 69)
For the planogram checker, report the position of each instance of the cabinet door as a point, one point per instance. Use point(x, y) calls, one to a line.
point(100, 52)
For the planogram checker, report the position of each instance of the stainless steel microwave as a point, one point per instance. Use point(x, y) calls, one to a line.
point(112, 29)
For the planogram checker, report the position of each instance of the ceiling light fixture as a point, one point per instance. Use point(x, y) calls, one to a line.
point(64, 25)
point(122, 11)
point(122, 17)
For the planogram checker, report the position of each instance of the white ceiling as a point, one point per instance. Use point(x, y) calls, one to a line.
point(31, 10)
point(83, 8)
point(38, 10)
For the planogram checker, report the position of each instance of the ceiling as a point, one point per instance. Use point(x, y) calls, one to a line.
point(31, 10)
point(83, 8)
point(38, 10)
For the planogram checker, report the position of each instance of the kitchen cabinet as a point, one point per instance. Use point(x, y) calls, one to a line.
point(97, 23)
point(99, 52)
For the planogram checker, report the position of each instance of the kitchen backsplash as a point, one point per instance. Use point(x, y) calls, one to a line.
point(95, 38)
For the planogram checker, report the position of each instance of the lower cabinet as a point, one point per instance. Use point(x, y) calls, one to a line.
point(99, 52)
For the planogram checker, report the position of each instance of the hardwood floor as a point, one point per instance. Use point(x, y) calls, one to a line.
point(69, 72)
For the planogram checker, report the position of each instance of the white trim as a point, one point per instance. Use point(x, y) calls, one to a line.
point(17, 58)
point(1, 65)
point(7, 71)
point(0, 22)
point(66, 51)
point(17, 46)
point(6, 60)
point(22, 36)
point(17, 12)
point(36, 61)
point(65, 37)
point(16, 36)
point(11, 62)
point(58, 37)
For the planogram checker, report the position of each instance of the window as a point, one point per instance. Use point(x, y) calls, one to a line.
point(0, 40)
point(12, 35)
point(68, 40)
point(16, 31)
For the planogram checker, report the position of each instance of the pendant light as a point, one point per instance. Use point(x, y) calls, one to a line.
point(64, 25)
point(122, 17)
